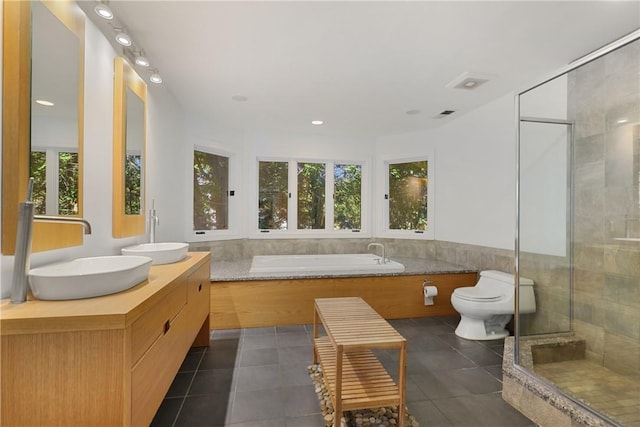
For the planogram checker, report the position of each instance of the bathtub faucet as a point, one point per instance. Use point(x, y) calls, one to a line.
point(384, 259)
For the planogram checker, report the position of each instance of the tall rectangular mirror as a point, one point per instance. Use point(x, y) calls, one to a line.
point(129, 137)
point(43, 88)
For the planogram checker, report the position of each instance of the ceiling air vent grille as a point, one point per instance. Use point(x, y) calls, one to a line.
point(444, 114)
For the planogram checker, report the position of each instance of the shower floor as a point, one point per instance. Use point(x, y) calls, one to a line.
point(604, 390)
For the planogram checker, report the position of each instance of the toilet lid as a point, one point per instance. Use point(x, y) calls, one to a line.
point(477, 294)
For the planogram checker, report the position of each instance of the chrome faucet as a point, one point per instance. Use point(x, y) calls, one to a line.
point(21, 261)
point(384, 259)
point(154, 221)
point(64, 219)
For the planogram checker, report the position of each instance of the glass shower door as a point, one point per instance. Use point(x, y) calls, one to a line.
point(544, 223)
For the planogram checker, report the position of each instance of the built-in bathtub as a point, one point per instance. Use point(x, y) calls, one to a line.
point(312, 265)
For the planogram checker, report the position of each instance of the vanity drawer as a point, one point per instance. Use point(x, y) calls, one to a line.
point(155, 322)
point(154, 373)
point(198, 298)
point(198, 284)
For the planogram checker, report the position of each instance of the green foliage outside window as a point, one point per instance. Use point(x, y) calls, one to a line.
point(210, 191)
point(273, 196)
point(273, 191)
point(132, 184)
point(347, 197)
point(39, 174)
point(408, 196)
point(68, 183)
point(311, 196)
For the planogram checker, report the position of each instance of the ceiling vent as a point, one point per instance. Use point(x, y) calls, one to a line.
point(469, 81)
point(444, 114)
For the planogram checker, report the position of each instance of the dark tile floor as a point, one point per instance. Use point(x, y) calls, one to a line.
point(258, 378)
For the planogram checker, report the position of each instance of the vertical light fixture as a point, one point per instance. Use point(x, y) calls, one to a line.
point(155, 77)
point(141, 59)
point(122, 37)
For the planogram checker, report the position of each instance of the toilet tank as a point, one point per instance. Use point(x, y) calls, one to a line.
point(493, 279)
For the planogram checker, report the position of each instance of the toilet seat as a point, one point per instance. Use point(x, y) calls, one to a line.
point(477, 294)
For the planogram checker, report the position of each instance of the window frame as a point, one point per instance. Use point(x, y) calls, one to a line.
point(292, 221)
point(429, 233)
point(52, 176)
point(233, 223)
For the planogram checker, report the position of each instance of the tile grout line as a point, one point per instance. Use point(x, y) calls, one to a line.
point(184, 398)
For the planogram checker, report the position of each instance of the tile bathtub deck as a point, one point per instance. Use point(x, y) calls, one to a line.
point(258, 377)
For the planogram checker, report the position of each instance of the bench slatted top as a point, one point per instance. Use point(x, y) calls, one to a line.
point(353, 324)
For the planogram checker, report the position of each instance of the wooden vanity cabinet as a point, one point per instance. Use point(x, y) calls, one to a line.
point(109, 361)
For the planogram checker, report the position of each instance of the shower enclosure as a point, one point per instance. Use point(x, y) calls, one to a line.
point(578, 233)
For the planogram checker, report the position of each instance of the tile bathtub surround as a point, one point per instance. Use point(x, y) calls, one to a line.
point(230, 250)
point(258, 377)
point(471, 256)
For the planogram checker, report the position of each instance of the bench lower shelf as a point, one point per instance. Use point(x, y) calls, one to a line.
point(365, 382)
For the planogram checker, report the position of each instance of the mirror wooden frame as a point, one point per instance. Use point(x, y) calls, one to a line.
point(126, 77)
point(16, 122)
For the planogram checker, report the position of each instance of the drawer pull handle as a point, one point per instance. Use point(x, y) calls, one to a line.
point(427, 281)
point(199, 287)
point(167, 326)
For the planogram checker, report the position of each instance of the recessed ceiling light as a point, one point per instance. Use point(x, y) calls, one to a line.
point(104, 11)
point(240, 98)
point(621, 121)
point(45, 103)
point(317, 122)
point(413, 112)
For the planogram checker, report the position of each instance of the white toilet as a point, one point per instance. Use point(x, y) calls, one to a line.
point(486, 308)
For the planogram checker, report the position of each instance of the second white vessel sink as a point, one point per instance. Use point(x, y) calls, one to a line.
point(160, 253)
point(88, 277)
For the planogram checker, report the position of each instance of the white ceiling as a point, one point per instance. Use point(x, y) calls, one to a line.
point(359, 65)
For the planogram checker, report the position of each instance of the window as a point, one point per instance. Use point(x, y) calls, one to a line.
point(273, 191)
point(132, 184)
point(210, 191)
point(312, 195)
point(55, 189)
point(347, 197)
point(407, 196)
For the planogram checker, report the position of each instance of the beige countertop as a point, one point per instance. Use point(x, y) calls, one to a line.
point(106, 312)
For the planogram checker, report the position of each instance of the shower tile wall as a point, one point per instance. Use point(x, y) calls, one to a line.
point(604, 102)
point(551, 275)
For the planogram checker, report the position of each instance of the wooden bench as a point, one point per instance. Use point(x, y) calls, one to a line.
point(353, 375)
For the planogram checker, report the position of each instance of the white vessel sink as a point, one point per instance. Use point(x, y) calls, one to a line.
point(88, 277)
point(160, 253)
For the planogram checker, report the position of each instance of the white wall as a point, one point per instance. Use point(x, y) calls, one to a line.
point(165, 187)
point(164, 134)
point(475, 173)
point(474, 170)
point(245, 147)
